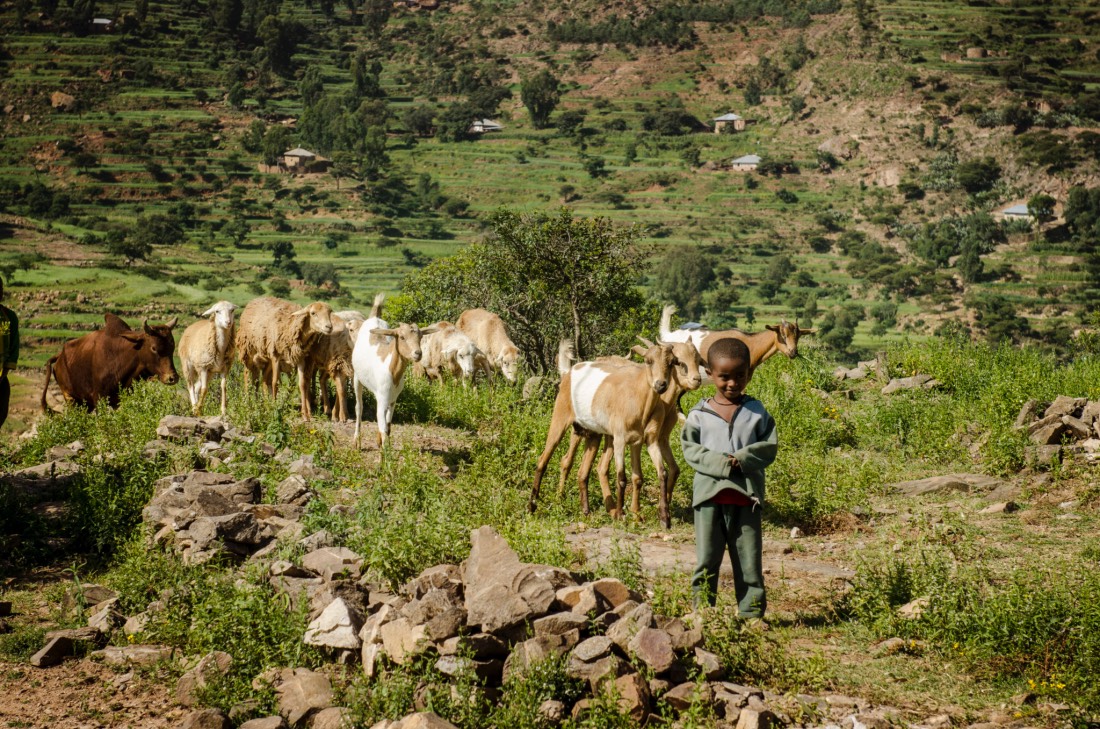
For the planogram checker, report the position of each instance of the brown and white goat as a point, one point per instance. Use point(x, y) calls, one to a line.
point(607, 398)
point(781, 337)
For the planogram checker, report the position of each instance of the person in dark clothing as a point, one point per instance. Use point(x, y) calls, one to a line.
point(9, 353)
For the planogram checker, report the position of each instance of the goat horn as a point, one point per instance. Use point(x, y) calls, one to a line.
point(645, 341)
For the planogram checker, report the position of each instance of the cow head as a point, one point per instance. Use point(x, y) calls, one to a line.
point(315, 318)
point(407, 337)
point(786, 336)
point(155, 346)
point(222, 312)
point(659, 361)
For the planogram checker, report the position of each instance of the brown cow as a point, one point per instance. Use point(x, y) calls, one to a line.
point(104, 362)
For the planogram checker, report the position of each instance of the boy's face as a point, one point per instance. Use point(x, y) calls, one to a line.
point(730, 376)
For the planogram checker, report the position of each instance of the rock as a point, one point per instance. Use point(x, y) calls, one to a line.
point(684, 639)
point(915, 382)
point(317, 540)
point(403, 640)
point(796, 533)
point(206, 719)
point(268, 722)
point(330, 562)
point(107, 617)
point(245, 491)
point(423, 720)
point(654, 648)
point(488, 671)
point(633, 692)
point(62, 101)
point(371, 632)
point(952, 482)
point(1041, 456)
point(177, 426)
point(709, 664)
point(914, 609)
point(1029, 413)
point(614, 592)
point(1050, 434)
point(682, 696)
point(286, 568)
point(293, 490)
point(593, 649)
point(560, 623)
point(440, 610)
point(209, 667)
point(1003, 507)
point(96, 594)
point(56, 650)
point(331, 718)
point(552, 712)
point(133, 655)
point(337, 627)
point(298, 588)
point(533, 651)
point(307, 469)
point(239, 527)
point(501, 592)
point(597, 671)
point(752, 719)
point(557, 577)
point(301, 693)
point(1076, 427)
point(484, 645)
point(628, 625)
point(370, 655)
point(568, 596)
point(1005, 492)
point(1064, 405)
point(1091, 412)
point(446, 577)
point(589, 602)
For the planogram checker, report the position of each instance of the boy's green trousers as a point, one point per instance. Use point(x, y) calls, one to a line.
point(722, 527)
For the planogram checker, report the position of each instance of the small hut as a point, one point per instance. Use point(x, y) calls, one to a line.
point(727, 122)
point(747, 163)
point(481, 126)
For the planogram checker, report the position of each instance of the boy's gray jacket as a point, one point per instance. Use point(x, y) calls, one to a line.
point(708, 440)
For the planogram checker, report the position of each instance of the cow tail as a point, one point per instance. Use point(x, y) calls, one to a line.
point(45, 388)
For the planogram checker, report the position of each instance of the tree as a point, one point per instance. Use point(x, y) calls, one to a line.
point(997, 317)
point(540, 94)
point(837, 327)
point(978, 175)
point(420, 120)
point(548, 276)
point(132, 248)
point(683, 277)
point(276, 140)
point(237, 229)
point(1041, 207)
point(376, 13)
point(282, 258)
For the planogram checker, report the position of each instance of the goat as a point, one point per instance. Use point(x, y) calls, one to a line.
point(330, 358)
point(488, 332)
point(449, 350)
point(206, 349)
point(607, 398)
point(275, 333)
point(379, 360)
point(782, 337)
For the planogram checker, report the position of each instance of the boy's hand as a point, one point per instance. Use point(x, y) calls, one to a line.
point(734, 464)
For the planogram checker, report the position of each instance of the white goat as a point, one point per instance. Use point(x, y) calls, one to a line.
point(206, 348)
point(379, 360)
point(448, 349)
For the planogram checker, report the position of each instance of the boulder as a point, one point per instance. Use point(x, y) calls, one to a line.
point(240, 527)
point(556, 576)
point(552, 712)
point(589, 601)
point(332, 561)
point(1002, 507)
point(106, 616)
point(1028, 414)
point(62, 101)
point(754, 719)
point(709, 664)
point(293, 490)
point(623, 631)
point(1064, 405)
point(633, 693)
point(1041, 456)
point(951, 482)
point(178, 426)
point(653, 647)
point(593, 649)
point(533, 651)
point(208, 669)
point(206, 719)
point(403, 640)
point(54, 652)
point(245, 491)
point(914, 609)
point(1050, 434)
point(331, 718)
point(133, 655)
point(682, 696)
point(501, 591)
point(1091, 412)
point(614, 591)
point(916, 382)
point(423, 720)
point(438, 609)
point(94, 594)
point(560, 623)
point(1076, 427)
point(446, 577)
point(369, 657)
point(337, 627)
point(488, 671)
point(268, 722)
point(307, 469)
point(568, 596)
point(301, 693)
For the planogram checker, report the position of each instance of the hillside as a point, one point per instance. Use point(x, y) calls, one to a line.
point(172, 111)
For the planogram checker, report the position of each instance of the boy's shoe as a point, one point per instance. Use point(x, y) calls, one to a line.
point(757, 625)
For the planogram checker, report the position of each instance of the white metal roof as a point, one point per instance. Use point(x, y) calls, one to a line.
point(727, 117)
point(299, 152)
point(748, 159)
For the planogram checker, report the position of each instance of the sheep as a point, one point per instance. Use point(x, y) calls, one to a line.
point(487, 331)
point(381, 355)
point(686, 376)
point(274, 334)
point(449, 350)
point(206, 349)
point(606, 398)
point(330, 357)
point(782, 337)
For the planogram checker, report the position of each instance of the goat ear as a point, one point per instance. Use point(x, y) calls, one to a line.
point(210, 311)
point(771, 327)
point(384, 332)
point(645, 341)
point(806, 331)
point(638, 350)
point(430, 330)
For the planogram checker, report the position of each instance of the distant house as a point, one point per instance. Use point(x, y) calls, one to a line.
point(747, 163)
point(481, 126)
point(1017, 212)
point(729, 121)
point(302, 160)
point(103, 25)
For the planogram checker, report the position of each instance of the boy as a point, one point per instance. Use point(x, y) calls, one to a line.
point(729, 440)
point(9, 353)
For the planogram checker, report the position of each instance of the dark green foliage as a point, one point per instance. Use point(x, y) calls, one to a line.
point(683, 276)
point(569, 122)
point(540, 94)
point(420, 120)
point(940, 241)
point(283, 258)
point(670, 118)
point(1052, 151)
point(1041, 207)
point(837, 326)
point(978, 175)
point(999, 319)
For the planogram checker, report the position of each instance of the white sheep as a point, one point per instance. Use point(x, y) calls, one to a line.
point(206, 349)
point(448, 349)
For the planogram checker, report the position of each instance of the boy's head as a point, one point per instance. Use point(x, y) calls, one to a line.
point(729, 367)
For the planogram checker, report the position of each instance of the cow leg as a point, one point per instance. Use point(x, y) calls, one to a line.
point(566, 464)
point(591, 448)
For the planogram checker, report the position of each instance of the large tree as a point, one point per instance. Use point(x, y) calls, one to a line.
point(540, 94)
point(549, 277)
point(682, 277)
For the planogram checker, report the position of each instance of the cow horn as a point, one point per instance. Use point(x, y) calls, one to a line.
point(171, 323)
point(145, 325)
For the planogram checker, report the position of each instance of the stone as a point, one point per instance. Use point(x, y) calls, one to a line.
point(614, 592)
point(301, 693)
point(370, 655)
point(403, 640)
point(593, 649)
point(557, 577)
point(501, 591)
point(1091, 412)
point(1005, 492)
point(298, 588)
point(54, 652)
point(1029, 413)
point(1002, 507)
point(551, 711)
point(590, 602)
point(1050, 434)
point(62, 101)
point(914, 609)
point(446, 577)
point(209, 667)
point(206, 719)
point(440, 610)
point(488, 671)
point(753, 719)
point(268, 722)
point(962, 482)
point(307, 469)
point(1076, 427)
point(628, 625)
point(915, 382)
point(1064, 405)
point(239, 527)
point(332, 561)
point(568, 596)
point(484, 645)
point(683, 695)
point(371, 632)
point(96, 594)
point(423, 720)
point(633, 693)
point(533, 651)
point(709, 664)
point(179, 426)
point(1041, 456)
point(293, 490)
point(331, 718)
point(133, 655)
point(684, 639)
point(245, 491)
point(337, 627)
point(286, 568)
point(559, 624)
point(654, 648)
point(597, 671)
point(107, 617)
point(212, 503)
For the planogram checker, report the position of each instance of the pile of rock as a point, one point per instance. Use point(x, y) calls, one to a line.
point(1071, 423)
point(877, 367)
